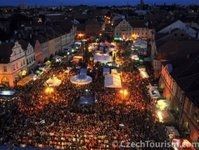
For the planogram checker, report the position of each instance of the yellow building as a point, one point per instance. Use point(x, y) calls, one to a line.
point(133, 29)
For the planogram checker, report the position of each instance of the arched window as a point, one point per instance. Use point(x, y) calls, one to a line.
point(5, 80)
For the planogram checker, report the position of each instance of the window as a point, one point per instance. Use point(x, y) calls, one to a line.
point(4, 69)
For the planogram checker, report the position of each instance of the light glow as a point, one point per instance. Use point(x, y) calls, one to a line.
point(160, 116)
point(124, 93)
point(49, 90)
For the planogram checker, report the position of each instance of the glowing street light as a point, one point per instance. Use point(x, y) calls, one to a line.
point(49, 90)
point(81, 35)
point(134, 36)
point(124, 93)
point(160, 116)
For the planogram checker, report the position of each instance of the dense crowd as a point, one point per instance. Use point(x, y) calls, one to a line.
point(41, 120)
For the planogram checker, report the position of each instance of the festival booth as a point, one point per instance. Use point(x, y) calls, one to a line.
point(163, 116)
point(102, 58)
point(53, 82)
point(87, 98)
point(163, 113)
point(77, 44)
point(112, 47)
point(82, 78)
point(106, 71)
point(113, 80)
point(25, 80)
point(112, 65)
point(7, 92)
point(92, 46)
point(68, 69)
point(57, 58)
point(153, 92)
point(77, 58)
point(143, 72)
point(140, 46)
point(140, 43)
point(162, 104)
point(135, 57)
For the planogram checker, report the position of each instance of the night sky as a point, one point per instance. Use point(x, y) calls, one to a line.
point(93, 2)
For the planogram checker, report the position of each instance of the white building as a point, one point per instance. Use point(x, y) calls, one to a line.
point(13, 64)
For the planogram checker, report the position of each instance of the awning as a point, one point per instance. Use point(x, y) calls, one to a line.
point(54, 81)
point(102, 58)
point(25, 80)
point(113, 81)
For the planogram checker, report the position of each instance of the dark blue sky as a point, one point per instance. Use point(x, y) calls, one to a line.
point(93, 2)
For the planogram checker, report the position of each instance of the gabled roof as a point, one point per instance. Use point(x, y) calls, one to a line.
point(135, 23)
point(23, 44)
point(179, 25)
point(5, 52)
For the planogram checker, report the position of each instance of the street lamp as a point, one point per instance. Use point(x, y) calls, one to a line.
point(134, 36)
point(80, 35)
point(124, 93)
point(49, 90)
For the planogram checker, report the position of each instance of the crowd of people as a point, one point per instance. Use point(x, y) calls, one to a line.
point(45, 120)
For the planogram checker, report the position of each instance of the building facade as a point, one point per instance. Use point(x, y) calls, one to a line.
point(130, 30)
point(189, 120)
point(123, 30)
point(13, 64)
point(183, 102)
point(47, 47)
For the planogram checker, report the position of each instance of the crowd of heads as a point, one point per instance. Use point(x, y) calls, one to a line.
point(45, 120)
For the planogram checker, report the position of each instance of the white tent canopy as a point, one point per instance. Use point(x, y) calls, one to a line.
point(54, 81)
point(153, 92)
point(112, 81)
point(102, 58)
point(77, 79)
point(140, 43)
point(143, 72)
point(106, 71)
